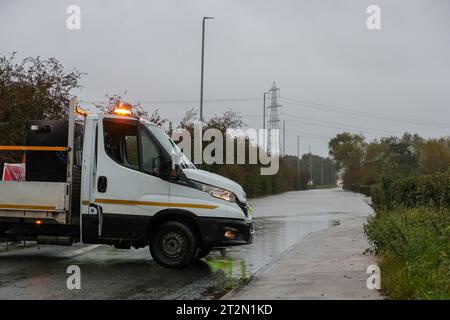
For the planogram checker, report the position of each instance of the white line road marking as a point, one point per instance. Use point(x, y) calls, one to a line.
point(81, 251)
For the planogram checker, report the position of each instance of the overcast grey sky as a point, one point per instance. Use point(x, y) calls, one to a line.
point(319, 51)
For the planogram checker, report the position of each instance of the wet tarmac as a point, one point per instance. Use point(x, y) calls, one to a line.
point(107, 273)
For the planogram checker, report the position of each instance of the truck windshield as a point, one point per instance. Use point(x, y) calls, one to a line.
point(171, 147)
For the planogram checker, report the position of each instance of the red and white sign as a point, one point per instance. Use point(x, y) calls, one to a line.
point(14, 172)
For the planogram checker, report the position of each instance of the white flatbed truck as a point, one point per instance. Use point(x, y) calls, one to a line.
point(123, 186)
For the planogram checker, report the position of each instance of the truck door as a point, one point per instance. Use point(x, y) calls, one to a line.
point(128, 188)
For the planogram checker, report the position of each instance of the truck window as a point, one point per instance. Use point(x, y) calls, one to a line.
point(121, 143)
point(151, 156)
point(131, 151)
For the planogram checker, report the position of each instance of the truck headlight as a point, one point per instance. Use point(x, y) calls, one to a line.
point(215, 191)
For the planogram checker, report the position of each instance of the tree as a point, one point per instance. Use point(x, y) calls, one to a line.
point(116, 101)
point(228, 120)
point(31, 89)
point(188, 119)
point(374, 161)
point(248, 175)
point(347, 149)
point(434, 156)
point(402, 158)
point(388, 159)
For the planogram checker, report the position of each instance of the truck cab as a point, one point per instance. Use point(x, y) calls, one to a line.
point(129, 185)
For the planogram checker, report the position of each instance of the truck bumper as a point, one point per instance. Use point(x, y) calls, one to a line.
point(223, 232)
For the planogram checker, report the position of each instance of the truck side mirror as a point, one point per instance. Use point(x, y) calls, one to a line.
point(175, 171)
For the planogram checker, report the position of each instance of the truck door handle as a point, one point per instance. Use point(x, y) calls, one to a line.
point(102, 184)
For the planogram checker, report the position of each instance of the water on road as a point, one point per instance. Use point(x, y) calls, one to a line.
point(107, 273)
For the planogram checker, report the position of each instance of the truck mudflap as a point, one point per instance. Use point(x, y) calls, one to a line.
point(222, 232)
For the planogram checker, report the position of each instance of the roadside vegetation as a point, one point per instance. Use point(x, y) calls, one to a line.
point(414, 247)
point(288, 177)
point(31, 89)
point(408, 179)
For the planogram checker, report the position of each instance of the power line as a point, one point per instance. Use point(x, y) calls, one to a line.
point(338, 109)
point(307, 134)
point(306, 104)
point(329, 124)
point(337, 125)
point(185, 101)
point(304, 135)
point(196, 101)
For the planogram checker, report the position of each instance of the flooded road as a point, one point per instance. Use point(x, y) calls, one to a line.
point(107, 273)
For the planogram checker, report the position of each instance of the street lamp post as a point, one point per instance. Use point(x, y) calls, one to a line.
point(264, 120)
point(203, 61)
point(264, 109)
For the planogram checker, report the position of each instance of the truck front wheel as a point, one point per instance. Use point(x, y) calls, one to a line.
point(173, 245)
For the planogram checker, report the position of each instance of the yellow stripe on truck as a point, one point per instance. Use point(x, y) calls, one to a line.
point(155, 204)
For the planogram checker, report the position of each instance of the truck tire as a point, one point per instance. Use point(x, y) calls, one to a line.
point(203, 253)
point(173, 245)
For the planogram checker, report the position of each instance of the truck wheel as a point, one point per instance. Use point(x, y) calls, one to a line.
point(173, 245)
point(203, 253)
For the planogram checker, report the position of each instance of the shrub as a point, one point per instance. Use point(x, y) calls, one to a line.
point(416, 191)
point(414, 245)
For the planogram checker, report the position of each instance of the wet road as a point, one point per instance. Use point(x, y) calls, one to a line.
point(107, 273)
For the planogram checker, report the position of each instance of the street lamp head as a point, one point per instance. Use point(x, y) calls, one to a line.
point(208, 18)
